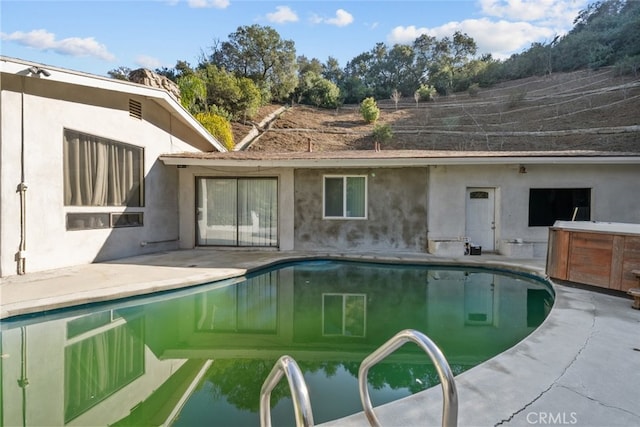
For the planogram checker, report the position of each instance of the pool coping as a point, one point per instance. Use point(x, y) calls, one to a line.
point(550, 373)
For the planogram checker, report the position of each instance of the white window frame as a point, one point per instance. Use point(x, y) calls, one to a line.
point(344, 197)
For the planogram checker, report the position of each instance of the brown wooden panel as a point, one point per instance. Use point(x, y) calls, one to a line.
point(591, 240)
point(558, 254)
point(590, 258)
point(630, 262)
point(617, 258)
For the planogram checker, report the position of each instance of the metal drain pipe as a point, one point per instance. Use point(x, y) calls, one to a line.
point(21, 256)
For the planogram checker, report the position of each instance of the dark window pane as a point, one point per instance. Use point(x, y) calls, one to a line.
point(333, 197)
point(548, 205)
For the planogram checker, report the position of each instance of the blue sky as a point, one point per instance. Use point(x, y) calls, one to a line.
point(98, 36)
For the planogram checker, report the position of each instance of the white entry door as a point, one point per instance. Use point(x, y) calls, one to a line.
point(480, 218)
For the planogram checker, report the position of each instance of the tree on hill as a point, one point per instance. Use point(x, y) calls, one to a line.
point(258, 53)
point(369, 110)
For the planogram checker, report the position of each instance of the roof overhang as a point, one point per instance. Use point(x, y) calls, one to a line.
point(390, 158)
point(160, 96)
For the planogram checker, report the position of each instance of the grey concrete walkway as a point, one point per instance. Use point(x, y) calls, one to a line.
point(581, 367)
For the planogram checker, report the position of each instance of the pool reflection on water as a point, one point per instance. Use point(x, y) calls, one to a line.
point(200, 356)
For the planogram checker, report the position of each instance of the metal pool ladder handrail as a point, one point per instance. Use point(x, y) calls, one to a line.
point(450, 394)
point(299, 393)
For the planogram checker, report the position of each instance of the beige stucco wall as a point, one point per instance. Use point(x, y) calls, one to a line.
point(614, 196)
point(396, 212)
point(411, 207)
point(50, 107)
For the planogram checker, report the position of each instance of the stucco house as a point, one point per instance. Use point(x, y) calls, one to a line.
point(186, 191)
point(62, 129)
point(402, 201)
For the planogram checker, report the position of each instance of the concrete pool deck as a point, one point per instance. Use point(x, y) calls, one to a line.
point(580, 367)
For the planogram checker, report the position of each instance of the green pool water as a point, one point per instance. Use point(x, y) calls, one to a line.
point(200, 356)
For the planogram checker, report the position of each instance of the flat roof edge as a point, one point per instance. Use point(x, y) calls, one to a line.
point(396, 162)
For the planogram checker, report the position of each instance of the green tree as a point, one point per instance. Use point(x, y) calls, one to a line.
point(331, 71)
point(250, 98)
point(120, 73)
point(258, 53)
point(193, 93)
point(237, 96)
point(306, 65)
point(382, 134)
point(369, 110)
point(222, 89)
point(316, 90)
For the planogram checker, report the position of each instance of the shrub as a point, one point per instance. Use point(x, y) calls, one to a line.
point(473, 90)
point(217, 126)
point(427, 93)
point(323, 93)
point(516, 97)
point(627, 65)
point(219, 111)
point(369, 110)
point(382, 133)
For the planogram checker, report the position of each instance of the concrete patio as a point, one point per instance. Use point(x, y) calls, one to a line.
point(580, 367)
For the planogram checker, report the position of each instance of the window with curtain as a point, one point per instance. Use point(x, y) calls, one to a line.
point(98, 366)
point(237, 211)
point(345, 197)
point(101, 172)
point(250, 307)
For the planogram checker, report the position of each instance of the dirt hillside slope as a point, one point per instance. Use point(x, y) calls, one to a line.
point(583, 110)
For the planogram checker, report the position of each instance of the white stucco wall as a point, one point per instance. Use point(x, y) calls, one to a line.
point(50, 107)
point(41, 347)
point(614, 195)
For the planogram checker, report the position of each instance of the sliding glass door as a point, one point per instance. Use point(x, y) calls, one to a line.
point(237, 212)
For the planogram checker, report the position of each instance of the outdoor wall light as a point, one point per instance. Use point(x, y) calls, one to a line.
point(38, 71)
point(522, 169)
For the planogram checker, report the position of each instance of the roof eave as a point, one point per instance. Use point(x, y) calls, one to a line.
point(397, 162)
point(161, 96)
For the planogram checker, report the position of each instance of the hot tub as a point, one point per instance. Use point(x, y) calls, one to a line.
point(601, 254)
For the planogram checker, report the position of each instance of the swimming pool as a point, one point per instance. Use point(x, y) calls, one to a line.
point(199, 356)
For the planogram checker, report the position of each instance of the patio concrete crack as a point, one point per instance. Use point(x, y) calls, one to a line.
point(599, 402)
point(564, 371)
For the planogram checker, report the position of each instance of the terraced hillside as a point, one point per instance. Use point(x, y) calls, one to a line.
point(583, 110)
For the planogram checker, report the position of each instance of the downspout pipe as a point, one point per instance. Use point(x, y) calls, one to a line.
point(21, 255)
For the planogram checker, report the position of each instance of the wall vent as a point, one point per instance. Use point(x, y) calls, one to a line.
point(135, 109)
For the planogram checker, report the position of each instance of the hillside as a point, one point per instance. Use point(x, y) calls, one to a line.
point(582, 110)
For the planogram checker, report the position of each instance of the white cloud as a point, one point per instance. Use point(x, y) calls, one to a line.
point(556, 13)
point(72, 46)
point(500, 38)
point(515, 25)
point(342, 19)
point(283, 14)
point(148, 62)
point(201, 4)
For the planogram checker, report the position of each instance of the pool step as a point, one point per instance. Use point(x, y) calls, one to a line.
point(288, 367)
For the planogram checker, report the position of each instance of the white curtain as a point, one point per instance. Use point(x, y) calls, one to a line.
point(238, 211)
point(100, 365)
point(99, 172)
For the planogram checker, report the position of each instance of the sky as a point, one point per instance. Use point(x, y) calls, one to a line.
point(98, 36)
